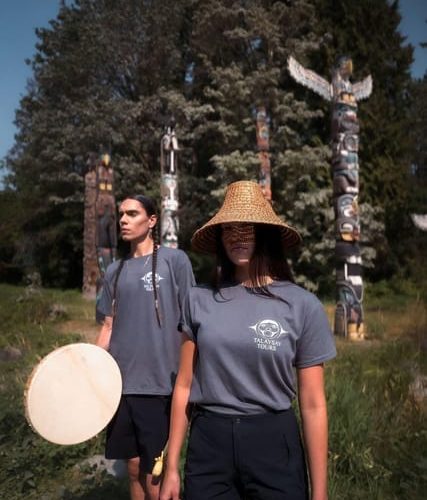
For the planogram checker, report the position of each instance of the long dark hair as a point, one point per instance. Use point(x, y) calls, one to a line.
point(268, 260)
point(150, 207)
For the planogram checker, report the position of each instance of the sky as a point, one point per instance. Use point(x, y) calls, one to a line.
point(19, 18)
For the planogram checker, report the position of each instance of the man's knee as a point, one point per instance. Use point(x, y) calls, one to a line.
point(133, 469)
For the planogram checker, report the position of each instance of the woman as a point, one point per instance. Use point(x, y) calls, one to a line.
point(141, 302)
point(242, 339)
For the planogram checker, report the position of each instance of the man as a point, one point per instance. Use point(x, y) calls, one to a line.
point(141, 302)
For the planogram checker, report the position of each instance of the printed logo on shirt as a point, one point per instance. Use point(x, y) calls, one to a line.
point(268, 331)
point(148, 281)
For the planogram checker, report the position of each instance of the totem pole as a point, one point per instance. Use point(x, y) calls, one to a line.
point(169, 187)
point(345, 174)
point(90, 261)
point(100, 230)
point(262, 137)
point(106, 223)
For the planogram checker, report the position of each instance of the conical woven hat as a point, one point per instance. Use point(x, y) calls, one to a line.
point(243, 202)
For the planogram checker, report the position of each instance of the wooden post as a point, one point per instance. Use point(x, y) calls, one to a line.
point(263, 145)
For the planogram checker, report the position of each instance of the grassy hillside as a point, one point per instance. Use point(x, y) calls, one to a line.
point(375, 389)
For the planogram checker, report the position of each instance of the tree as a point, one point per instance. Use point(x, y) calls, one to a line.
point(90, 91)
point(239, 52)
point(412, 241)
point(418, 172)
point(110, 74)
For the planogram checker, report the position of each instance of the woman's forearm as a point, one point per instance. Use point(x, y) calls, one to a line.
point(315, 430)
point(314, 416)
point(178, 426)
point(179, 421)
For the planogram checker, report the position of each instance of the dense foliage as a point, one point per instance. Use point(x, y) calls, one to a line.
point(108, 75)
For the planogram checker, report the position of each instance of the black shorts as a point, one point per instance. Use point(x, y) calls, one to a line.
point(139, 428)
point(254, 457)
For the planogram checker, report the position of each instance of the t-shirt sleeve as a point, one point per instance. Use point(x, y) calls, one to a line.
point(316, 343)
point(105, 302)
point(186, 324)
point(184, 277)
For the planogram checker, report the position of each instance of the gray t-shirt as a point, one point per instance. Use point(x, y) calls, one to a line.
point(148, 356)
point(248, 345)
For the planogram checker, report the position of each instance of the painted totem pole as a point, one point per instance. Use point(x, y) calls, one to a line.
point(105, 208)
point(344, 96)
point(100, 230)
point(169, 187)
point(90, 261)
point(262, 137)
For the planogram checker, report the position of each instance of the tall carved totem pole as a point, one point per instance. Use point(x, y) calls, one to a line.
point(344, 96)
point(105, 208)
point(263, 146)
point(169, 188)
point(100, 225)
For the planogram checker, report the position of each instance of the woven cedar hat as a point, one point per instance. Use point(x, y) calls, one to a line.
point(244, 202)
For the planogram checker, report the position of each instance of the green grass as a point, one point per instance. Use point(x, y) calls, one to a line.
point(377, 431)
point(378, 435)
point(30, 466)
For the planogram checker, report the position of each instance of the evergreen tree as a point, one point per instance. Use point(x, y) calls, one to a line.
point(240, 51)
point(410, 246)
point(111, 74)
point(100, 81)
point(418, 136)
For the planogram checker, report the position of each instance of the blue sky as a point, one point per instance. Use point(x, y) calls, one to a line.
point(19, 18)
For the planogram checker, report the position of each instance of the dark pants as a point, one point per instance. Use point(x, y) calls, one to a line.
point(139, 428)
point(254, 457)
